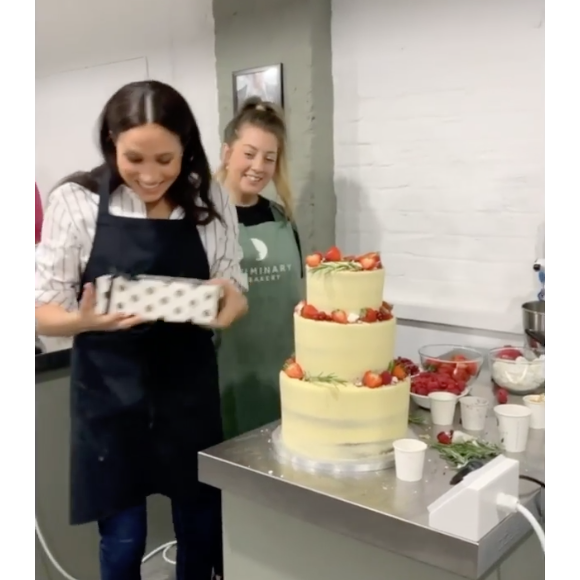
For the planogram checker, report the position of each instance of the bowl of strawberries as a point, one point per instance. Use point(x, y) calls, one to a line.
point(461, 362)
point(427, 382)
point(447, 368)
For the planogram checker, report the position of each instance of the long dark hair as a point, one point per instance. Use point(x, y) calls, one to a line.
point(144, 102)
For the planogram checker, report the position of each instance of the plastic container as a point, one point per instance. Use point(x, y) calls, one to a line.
point(518, 370)
point(461, 362)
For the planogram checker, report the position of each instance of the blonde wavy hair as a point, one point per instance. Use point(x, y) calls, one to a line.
point(270, 118)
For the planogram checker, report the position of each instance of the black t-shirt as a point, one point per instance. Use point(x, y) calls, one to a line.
point(261, 213)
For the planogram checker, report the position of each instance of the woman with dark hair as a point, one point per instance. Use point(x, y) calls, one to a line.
point(144, 397)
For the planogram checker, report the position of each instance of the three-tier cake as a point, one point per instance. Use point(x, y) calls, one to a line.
point(342, 398)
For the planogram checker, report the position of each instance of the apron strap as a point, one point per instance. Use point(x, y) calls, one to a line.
point(281, 217)
point(104, 192)
point(278, 212)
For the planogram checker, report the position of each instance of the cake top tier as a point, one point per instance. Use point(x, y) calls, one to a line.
point(347, 283)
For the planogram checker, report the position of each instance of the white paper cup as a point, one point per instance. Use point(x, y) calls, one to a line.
point(473, 413)
point(514, 425)
point(442, 407)
point(538, 409)
point(409, 459)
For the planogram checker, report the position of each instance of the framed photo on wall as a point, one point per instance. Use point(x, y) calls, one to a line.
point(265, 82)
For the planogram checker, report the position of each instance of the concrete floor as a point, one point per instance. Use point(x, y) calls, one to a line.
point(154, 569)
point(158, 569)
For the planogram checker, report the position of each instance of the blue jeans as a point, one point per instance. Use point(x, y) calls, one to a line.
point(197, 531)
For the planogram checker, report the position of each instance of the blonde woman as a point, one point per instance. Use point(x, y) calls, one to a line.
point(252, 351)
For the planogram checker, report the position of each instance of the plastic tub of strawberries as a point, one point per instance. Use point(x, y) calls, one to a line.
point(445, 367)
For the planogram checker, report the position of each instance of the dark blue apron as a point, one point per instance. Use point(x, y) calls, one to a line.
point(143, 401)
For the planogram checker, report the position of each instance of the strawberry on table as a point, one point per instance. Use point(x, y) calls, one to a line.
point(445, 437)
point(501, 396)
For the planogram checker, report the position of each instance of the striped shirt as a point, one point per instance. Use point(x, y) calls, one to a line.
point(68, 231)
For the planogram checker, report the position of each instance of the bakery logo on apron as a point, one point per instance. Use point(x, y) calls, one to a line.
point(271, 273)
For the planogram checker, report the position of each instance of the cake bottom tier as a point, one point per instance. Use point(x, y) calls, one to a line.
point(342, 422)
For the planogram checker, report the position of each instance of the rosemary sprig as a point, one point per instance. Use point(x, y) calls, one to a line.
point(328, 267)
point(415, 419)
point(458, 454)
point(325, 379)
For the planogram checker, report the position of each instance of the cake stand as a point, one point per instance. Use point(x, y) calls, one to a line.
point(343, 467)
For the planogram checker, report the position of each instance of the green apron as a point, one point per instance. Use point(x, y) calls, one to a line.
point(252, 351)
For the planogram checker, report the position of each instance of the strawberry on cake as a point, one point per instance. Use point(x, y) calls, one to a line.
point(342, 396)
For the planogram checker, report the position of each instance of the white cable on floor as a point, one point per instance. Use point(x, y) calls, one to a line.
point(164, 549)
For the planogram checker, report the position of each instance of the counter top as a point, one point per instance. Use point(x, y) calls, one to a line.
point(376, 508)
point(52, 361)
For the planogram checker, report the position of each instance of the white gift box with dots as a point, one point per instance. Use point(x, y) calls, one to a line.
point(158, 298)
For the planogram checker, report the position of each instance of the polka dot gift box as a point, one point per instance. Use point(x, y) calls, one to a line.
point(158, 298)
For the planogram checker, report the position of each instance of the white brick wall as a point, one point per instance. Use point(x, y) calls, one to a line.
point(77, 46)
point(439, 150)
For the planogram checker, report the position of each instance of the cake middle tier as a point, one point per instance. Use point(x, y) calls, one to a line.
point(344, 350)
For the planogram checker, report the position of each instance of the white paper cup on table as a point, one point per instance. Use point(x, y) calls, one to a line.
point(442, 407)
point(537, 405)
point(514, 426)
point(409, 459)
point(473, 413)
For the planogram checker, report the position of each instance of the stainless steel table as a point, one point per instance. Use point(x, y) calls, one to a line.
point(373, 509)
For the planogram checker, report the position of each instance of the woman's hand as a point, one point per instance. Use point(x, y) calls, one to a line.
point(89, 320)
point(233, 304)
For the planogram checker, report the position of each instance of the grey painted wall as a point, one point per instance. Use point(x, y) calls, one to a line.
point(295, 33)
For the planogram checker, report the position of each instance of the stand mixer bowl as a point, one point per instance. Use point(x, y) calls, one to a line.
point(533, 321)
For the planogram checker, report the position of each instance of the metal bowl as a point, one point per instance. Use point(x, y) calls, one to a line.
point(534, 320)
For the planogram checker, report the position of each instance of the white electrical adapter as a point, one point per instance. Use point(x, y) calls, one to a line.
point(469, 510)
